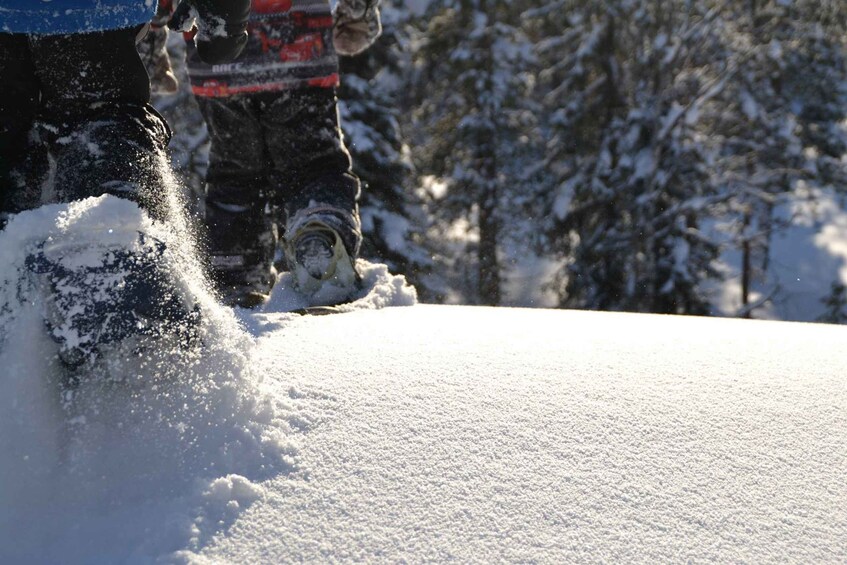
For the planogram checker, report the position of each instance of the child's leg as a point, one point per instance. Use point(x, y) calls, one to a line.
point(241, 236)
point(105, 139)
point(18, 107)
point(104, 135)
point(311, 167)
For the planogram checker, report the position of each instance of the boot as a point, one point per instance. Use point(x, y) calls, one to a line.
point(241, 243)
point(98, 297)
point(323, 269)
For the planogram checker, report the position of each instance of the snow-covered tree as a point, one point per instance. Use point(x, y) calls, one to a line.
point(836, 305)
point(778, 121)
point(635, 185)
point(673, 120)
point(472, 113)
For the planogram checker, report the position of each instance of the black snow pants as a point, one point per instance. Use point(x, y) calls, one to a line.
point(272, 155)
point(83, 99)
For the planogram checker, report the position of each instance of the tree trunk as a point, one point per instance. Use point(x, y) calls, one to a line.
point(488, 201)
point(746, 267)
point(489, 234)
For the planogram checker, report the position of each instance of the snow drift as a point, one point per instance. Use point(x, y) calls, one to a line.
point(486, 435)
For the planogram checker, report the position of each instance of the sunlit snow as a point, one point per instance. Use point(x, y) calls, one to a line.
point(427, 433)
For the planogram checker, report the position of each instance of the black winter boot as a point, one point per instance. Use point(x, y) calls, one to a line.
point(241, 244)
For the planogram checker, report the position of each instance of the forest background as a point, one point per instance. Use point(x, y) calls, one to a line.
point(668, 156)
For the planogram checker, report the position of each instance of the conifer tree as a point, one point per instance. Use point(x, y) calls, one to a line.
point(836, 305)
point(637, 183)
point(472, 78)
point(777, 122)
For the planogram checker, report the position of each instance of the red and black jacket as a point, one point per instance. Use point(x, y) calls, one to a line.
point(290, 46)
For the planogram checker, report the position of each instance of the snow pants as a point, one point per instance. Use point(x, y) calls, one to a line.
point(274, 155)
point(82, 99)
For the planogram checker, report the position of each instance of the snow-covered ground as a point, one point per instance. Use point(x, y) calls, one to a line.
point(433, 433)
point(480, 435)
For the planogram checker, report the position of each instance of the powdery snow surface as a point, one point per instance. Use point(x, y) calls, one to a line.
point(422, 433)
point(443, 433)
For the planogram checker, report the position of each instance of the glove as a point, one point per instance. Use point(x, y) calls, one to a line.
point(153, 49)
point(154, 53)
point(221, 27)
point(356, 25)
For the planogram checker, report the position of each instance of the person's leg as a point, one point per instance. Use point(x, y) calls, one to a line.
point(311, 167)
point(106, 282)
point(18, 107)
point(103, 133)
point(241, 236)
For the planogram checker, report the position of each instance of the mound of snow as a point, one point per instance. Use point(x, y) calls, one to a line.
point(153, 452)
point(455, 434)
point(380, 289)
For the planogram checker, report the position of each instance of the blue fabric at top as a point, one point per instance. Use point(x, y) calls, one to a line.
point(50, 17)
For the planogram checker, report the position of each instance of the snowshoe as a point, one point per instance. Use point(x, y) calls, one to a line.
point(317, 310)
point(322, 268)
point(98, 297)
